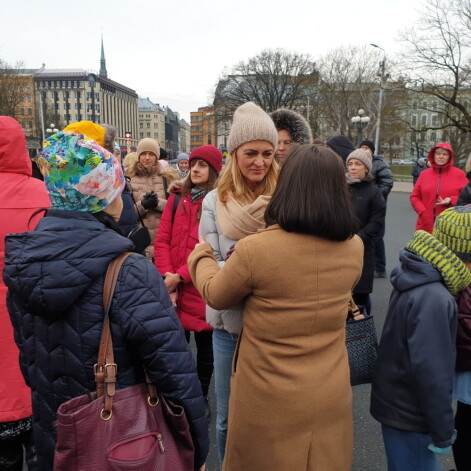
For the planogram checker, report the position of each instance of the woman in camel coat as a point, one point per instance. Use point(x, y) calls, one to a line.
point(290, 405)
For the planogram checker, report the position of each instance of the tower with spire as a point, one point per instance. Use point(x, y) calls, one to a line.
point(103, 72)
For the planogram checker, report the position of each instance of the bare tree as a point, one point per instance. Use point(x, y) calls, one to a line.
point(437, 63)
point(272, 79)
point(11, 88)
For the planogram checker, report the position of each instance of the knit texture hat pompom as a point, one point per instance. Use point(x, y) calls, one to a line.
point(210, 154)
point(363, 156)
point(80, 174)
point(251, 123)
point(453, 229)
point(148, 145)
point(454, 272)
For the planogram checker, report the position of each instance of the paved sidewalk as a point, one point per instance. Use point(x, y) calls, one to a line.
point(402, 187)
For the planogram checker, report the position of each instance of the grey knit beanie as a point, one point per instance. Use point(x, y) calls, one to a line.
point(363, 156)
point(251, 123)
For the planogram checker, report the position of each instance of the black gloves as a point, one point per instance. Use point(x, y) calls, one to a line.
point(149, 201)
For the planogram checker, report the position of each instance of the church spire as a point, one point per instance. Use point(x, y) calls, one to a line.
point(103, 72)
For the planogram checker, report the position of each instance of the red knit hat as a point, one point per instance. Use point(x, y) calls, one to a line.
point(210, 154)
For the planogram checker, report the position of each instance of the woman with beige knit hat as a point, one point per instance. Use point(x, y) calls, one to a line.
point(231, 212)
point(149, 182)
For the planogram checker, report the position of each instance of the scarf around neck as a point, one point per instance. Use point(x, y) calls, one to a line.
point(454, 272)
point(237, 220)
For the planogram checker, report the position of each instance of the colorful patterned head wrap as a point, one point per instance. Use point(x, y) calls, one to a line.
point(80, 174)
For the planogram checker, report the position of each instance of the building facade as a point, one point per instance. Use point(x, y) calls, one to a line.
point(172, 133)
point(151, 121)
point(185, 137)
point(66, 96)
point(203, 127)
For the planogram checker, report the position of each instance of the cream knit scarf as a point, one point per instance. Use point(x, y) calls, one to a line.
point(238, 221)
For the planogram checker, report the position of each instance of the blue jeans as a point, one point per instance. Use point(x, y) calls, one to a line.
point(407, 451)
point(224, 345)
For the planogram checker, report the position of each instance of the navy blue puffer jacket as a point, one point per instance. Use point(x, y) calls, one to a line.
point(55, 278)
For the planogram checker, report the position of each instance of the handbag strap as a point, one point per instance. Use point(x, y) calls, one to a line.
point(105, 369)
point(354, 311)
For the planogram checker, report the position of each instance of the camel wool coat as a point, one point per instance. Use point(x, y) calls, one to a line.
point(291, 401)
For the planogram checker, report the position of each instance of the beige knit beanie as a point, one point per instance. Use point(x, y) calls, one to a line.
point(148, 145)
point(251, 123)
point(363, 156)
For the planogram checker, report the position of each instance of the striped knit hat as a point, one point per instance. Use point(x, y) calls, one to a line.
point(456, 275)
point(453, 229)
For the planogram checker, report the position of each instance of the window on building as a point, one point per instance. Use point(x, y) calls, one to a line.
point(435, 120)
point(425, 105)
point(78, 95)
point(156, 135)
point(65, 95)
point(28, 98)
point(147, 125)
point(28, 89)
point(433, 136)
point(424, 120)
point(414, 105)
point(147, 134)
point(30, 111)
point(64, 83)
point(78, 106)
point(141, 135)
point(156, 125)
point(423, 136)
point(22, 111)
point(414, 137)
point(141, 125)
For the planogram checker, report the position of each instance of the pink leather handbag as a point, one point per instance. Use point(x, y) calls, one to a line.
point(134, 428)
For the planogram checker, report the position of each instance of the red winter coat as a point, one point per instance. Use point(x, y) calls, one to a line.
point(174, 241)
point(20, 196)
point(444, 182)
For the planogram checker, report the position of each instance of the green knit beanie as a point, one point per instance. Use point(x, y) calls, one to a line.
point(454, 272)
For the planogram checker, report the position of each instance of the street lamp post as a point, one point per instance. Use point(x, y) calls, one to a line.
point(360, 122)
point(51, 129)
point(382, 83)
point(128, 138)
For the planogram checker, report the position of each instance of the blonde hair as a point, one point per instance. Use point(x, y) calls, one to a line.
point(129, 164)
point(232, 183)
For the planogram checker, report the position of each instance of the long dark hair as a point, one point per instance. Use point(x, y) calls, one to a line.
point(312, 196)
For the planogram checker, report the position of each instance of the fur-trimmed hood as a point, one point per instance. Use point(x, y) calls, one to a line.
point(294, 123)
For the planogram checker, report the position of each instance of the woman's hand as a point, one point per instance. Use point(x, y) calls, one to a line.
point(201, 241)
point(444, 201)
point(171, 281)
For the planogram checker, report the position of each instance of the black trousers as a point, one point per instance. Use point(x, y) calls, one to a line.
point(16, 449)
point(204, 357)
point(462, 445)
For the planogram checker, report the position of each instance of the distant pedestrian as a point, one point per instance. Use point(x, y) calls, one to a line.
point(438, 187)
point(370, 209)
point(383, 179)
point(231, 212)
point(418, 168)
point(183, 165)
point(292, 128)
point(149, 184)
point(20, 197)
point(412, 386)
point(291, 399)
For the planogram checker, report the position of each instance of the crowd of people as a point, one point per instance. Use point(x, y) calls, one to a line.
point(257, 258)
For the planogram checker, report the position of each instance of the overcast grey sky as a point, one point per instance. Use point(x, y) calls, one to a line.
point(174, 52)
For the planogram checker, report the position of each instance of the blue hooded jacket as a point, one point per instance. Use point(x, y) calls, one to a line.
point(413, 380)
point(55, 279)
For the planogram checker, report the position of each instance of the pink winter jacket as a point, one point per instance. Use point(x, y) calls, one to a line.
point(174, 241)
point(435, 182)
point(20, 196)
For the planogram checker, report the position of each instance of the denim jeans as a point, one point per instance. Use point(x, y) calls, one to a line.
point(407, 451)
point(224, 345)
